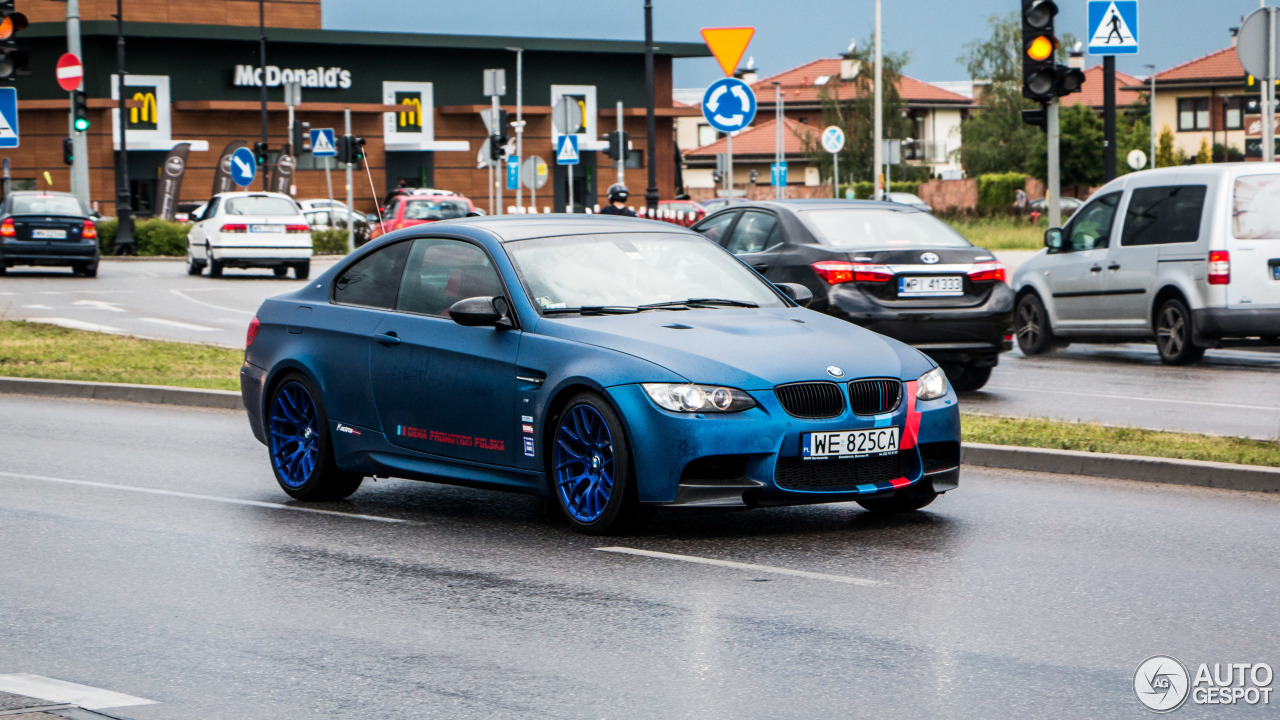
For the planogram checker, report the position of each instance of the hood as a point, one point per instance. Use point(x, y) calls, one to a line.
point(751, 349)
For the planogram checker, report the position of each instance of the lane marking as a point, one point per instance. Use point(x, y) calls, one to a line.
point(76, 325)
point(194, 496)
point(99, 305)
point(61, 691)
point(177, 324)
point(182, 294)
point(741, 566)
point(1135, 397)
point(37, 307)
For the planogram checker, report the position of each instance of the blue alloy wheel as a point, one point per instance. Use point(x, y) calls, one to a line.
point(583, 462)
point(294, 433)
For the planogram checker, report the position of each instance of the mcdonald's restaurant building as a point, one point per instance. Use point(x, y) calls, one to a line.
point(200, 84)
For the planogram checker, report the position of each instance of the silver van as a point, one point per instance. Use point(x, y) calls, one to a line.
point(1187, 256)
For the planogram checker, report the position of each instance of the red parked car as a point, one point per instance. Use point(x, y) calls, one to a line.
point(409, 210)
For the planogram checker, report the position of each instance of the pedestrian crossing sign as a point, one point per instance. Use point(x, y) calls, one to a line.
point(322, 143)
point(1113, 27)
point(567, 152)
point(8, 117)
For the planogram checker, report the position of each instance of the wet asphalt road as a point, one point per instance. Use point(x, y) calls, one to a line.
point(1019, 595)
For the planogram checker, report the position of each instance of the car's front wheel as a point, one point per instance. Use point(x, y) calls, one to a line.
point(300, 445)
point(913, 498)
point(967, 378)
point(1031, 323)
point(590, 467)
point(1174, 331)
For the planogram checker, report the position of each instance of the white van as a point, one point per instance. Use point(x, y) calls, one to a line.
point(1187, 256)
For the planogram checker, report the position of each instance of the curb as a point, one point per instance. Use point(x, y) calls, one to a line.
point(1124, 467)
point(120, 392)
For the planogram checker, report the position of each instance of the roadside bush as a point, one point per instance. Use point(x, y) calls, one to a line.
point(862, 190)
point(107, 235)
point(329, 242)
point(153, 237)
point(998, 190)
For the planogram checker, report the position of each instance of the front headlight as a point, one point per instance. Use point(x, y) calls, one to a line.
point(932, 385)
point(689, 398)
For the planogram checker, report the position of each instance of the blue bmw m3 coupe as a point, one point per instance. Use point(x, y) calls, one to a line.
point(611, 364)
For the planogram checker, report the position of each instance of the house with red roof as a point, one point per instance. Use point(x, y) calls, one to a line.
point(1129, 90)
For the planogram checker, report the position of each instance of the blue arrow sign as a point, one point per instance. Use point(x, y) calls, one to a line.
point(244, 166)
point(778, 174)
point(567, 150)
point(513, 172)
point(729, 105)
point(1113, 27)
point(8, 117)
point(322, 143)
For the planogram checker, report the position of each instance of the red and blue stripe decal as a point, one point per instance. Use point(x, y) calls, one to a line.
point(910, 434)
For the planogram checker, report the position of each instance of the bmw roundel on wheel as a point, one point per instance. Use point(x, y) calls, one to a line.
point(611, 365)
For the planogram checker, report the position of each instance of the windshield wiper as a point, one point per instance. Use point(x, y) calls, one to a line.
point(594, 310)
point(695, 302)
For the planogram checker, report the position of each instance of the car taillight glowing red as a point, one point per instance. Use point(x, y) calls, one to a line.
point(1219, 267)
point(297, 229)
point(988, 272)
point(7, 229)
point(90, 230)
point(252, 334)
point(834, 272)
point(234, 228)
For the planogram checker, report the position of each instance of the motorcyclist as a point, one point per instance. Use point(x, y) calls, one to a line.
point(618, 195)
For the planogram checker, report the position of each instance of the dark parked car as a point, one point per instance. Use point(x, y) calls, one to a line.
point(885, 266)
point(47, 228)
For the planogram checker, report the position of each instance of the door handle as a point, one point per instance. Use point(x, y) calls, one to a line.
point(387, 338)
point(761, 266)
point(1113, 266)
point(1096, 268)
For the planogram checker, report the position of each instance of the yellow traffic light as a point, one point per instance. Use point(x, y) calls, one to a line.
point(1041, 48)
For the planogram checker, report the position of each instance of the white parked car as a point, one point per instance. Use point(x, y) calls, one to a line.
point(1188, 257)
point(250, 229)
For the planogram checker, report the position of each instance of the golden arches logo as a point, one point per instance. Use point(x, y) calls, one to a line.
point(411, 117)
point(146, 113)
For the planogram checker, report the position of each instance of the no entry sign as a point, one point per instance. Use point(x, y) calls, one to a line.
point(70, 72)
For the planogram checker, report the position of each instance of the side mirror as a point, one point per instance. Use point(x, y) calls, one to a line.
point(481, 311)
point(798, 293)
point(1053, 239)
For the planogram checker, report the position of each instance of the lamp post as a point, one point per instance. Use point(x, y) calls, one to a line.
point(651, 123)
point(1151, 113)
point(878, 133)
point(262, 61)
point(124, 198)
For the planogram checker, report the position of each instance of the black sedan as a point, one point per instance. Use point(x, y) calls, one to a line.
point(887, 267)
point(47, 228)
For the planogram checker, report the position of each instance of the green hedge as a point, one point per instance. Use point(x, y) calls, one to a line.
point(161, 237)
point(329, 242)
point(862, 190)
point(998, 190)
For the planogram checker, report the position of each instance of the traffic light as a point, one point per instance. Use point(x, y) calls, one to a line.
point(301, 140)
point(1039, 71)
point(68, 151)
point(79, 111)
point(496, 145)
point(350, 149)
point(1037, 117)
point(260, 152)
point(1068, 80)
point(13, 62)
point(618, 142)
point(500, 127)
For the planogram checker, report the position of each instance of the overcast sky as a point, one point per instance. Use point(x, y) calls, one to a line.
point(791, 33)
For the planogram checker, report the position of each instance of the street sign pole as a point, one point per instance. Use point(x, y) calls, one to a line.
point(493, 170)
point(835, 175)
point(1269, 101)
point(79, 143)
point(1053, 190)
point(570, 167)
point(1109, 114)
point(878, 112)
point(622, 173)
point(728, 176)
point(351, 203)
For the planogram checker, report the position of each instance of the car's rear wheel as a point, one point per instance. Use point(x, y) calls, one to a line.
point(85, 269)
point(302, 270)
point(194, 267)
point(591, 473)
point(215, 267)
point(913, 498)
point(300, 446)
point(967, 378)
point(280, 271)
point(1031, 323)
point(1174, 332)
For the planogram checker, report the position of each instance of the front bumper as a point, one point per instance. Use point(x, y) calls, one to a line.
point(21, 252)
point(752, 458)
point(1220, 323)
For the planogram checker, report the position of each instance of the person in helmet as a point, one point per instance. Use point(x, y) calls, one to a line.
point(618, 202)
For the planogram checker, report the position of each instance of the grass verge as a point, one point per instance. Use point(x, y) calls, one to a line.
point(1095, 437)
point(38, 350)
point(1000, 233)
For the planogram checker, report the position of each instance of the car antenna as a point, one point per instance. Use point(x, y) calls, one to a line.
point(375, 196)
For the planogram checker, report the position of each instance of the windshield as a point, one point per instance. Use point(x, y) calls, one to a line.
point(260, 205)
point(632, 270)
point(880, 228)
point(1255, 208)
point(46, 205)
point(435, 209)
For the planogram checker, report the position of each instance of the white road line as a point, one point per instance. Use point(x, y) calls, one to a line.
point(177, 324)
point(76, 324)
point(193, 496)
point(183, 295)
point(37, 307)
point(61, 691)
point(99, 305)
point(741, 566)
point(1134, 397)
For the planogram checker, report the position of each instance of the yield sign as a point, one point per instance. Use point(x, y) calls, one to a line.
point(728, 45)
point(70, 72)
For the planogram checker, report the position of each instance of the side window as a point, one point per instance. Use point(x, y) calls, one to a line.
point(373, 281)
point(1163, 215)
point(752, 233)
point(441, 272)
point(212, 208)
point(1091, 227)
point(715, 227)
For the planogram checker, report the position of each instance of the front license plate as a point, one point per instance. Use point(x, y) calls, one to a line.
point(48, 234)
point(849, 443)
point(266, 228)
point(935, 286)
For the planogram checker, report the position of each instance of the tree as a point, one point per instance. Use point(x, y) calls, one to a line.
point(1133, 132)
point(1081, 163)
point(995, 139)
point(1203, 157)
point(1165, 156)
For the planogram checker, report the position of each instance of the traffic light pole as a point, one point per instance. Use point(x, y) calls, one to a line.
point(651, 123)
point(1053, 188)
point(622, 151)
point(1109, 114)
point(351, 203)
point(496, 180)
point(124, 198)
point(262, 61)
point(79, 143)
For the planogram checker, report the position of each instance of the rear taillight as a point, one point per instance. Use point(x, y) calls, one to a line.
point(834, 272)
point(987, 272)
point(90, 230)
point(235, 228)
point(1219, 267)
point(398, 225)
point(297, 229)
point(252, 334)
point(7, 229)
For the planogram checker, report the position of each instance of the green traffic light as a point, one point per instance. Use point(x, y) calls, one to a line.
point(81, 124)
